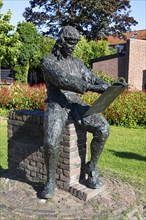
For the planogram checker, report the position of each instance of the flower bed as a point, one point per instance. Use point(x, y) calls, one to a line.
point(128, 110)
point(22, 96)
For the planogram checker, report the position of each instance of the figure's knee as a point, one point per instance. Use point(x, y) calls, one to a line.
point(102, 132)
point(51, 149)
point(106, 130)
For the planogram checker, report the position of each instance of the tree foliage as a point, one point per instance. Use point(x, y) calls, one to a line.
point(31, 40)
point(47, 44)
point(92, 18)
point(86, 50)
point(34, 47)
point(29, 51)
point(9, 40)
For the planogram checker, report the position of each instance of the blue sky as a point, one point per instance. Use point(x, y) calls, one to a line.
point(138, 8)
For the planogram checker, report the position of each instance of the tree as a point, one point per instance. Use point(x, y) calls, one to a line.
point(45, 49)
point(9, 40)
point(47, 44)
point(30, 54)
point(92, 18)
point(87, 50)
point(34, 47)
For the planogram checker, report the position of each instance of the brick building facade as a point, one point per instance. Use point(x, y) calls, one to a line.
point(112, 65)
point(131, 65)
point(136, 58)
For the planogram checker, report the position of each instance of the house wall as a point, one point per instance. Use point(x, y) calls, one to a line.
point(132, 66)
point(137, 64)
point(114, 66)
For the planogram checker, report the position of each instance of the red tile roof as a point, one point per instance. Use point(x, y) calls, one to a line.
point(140, 35)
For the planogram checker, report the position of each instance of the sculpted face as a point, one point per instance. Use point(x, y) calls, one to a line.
point(68, 46)
point(69, 37)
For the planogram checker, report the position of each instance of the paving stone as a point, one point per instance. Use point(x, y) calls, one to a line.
point(115, 198)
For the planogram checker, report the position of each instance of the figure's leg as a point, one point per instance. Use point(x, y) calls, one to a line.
point(54, 122)
point(98, 126)
point(51, 159)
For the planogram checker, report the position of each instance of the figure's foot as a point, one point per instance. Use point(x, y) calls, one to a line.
point(48, 191)
point(93, 180)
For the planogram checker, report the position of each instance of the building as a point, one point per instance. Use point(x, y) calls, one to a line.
point(129, 62)
point(6, 75)
point(120, 42)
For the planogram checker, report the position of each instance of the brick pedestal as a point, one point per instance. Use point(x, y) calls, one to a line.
point(26, 154)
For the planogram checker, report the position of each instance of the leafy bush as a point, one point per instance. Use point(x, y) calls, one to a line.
point(105, 77)
point(128, 110)
point(22, 96)
point(4, 112)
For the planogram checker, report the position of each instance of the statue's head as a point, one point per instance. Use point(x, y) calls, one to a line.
point(68, 38)
point(69, 33)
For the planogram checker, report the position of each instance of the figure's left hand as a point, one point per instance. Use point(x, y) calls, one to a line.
point(120, 84)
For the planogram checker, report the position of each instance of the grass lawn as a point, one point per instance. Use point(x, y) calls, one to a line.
point(3, 143)
point(124, 155)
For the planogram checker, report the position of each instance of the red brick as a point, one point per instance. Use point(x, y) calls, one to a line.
point(33, 174)
point(64, 178)
point(65, 155)
point(65, 166)
point(66, 161)
point(59, 171)
point(59, 183)
point(66, 149)
point(33, 163)
point(66, 186)
point(66, 173)
point(57, 176)
point(40, 165)
point(74, 172)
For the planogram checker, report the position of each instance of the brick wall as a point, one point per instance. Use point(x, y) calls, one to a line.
point(26, 154)
point(132, 66)
point(114, 65)
point(137, 64)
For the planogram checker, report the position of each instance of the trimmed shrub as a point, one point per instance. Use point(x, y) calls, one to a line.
point(128, 110)
point(22, 96)
point(104, 77)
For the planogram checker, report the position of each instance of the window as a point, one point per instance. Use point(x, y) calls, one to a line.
point(134, 36)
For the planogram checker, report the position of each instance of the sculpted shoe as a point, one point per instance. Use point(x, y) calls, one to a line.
point(48, 191)
point(93, 180)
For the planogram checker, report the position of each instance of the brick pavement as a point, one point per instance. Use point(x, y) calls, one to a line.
point(20, 200)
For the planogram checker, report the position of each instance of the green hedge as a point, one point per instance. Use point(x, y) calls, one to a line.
point(22, 96)
point(128, 110)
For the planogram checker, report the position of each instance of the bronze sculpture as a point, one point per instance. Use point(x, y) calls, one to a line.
point(64, 77)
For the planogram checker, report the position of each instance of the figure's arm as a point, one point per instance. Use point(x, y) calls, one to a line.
point(95, 83)
point(99, 85)
point(55, 74)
